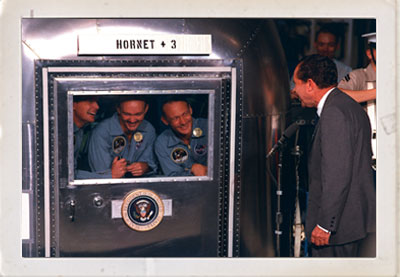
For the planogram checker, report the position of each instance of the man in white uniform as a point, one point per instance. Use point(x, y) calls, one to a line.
point(360, 84)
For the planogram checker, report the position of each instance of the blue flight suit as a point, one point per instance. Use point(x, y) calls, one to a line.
point(175, 157)
point(81, 139)
point(109, 141)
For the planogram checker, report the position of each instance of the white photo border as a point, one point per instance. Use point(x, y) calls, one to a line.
point(13, 264)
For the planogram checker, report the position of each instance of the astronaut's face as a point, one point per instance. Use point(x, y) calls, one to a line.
point(131, 113)
point(178, 115)
point(85, 112)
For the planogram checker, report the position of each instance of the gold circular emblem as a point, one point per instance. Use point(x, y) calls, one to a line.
point(197, 132)
point(138, 137)
point(142, 210)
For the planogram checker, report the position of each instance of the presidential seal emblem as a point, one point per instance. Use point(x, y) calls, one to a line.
point(142, 210)
point(179, 155)
point(138, 137)
point(197, 132)
point(118, 144)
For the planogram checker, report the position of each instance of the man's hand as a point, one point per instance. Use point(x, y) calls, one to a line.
point(118, 168)
point(319, 237)
point(199, 170)
point(138, 169)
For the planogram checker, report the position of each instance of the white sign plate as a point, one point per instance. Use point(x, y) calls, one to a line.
point(25, 229)
point(155, 44)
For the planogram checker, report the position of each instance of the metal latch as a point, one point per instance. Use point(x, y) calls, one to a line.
point(72, 205)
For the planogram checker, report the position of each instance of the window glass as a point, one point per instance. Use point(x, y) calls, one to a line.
point(137, 136)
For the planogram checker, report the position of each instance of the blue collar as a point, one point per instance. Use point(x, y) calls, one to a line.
point(76, 129)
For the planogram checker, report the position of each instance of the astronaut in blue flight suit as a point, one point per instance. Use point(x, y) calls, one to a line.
point(182, 149)
point(123, 145)
point(84, 112)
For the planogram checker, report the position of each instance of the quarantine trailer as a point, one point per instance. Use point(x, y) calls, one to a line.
point(234, 74)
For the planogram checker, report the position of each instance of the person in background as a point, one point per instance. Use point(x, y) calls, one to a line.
point(341, 207)
point(360, 84)
point(123, 145)
point(326, 44)
point(182, 149)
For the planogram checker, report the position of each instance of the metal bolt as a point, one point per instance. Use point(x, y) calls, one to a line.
point(98, 201)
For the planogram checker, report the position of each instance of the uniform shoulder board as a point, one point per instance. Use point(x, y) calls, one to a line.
point(347, 77)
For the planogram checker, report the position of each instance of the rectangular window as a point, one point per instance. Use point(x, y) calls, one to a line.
point(144, 144)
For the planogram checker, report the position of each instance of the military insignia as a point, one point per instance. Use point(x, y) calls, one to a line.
point(142, 210)
point(347, 77)
point(118, 144)
point(138, 137)
point(197, 132)
point(179, 155)
point(200, 149)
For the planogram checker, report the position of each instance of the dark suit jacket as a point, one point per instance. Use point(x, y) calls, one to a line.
point(341, 185)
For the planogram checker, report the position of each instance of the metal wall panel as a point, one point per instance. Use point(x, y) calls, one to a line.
point(250, 47)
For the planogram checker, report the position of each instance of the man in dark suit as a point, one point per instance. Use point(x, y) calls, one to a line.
point(341, 205)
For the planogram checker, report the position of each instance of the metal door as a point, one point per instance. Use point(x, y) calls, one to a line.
point(82, 218)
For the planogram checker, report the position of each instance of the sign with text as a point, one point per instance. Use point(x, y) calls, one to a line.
point(154, 44)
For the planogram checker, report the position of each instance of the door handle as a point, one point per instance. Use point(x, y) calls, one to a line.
point(72, 205)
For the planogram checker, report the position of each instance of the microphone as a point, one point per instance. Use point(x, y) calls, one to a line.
point(286, 134)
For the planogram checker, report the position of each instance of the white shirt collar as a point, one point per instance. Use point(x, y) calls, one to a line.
point(322, 101)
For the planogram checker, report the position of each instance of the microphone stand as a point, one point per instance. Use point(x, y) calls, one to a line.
point(293, 128)
point(278, 215)
point(296, 152)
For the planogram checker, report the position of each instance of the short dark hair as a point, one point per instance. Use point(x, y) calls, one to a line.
point(371, 45)
point(328, 29)
point(320, 69)
point(80, 98)
point(124, 98)
point(173, 98)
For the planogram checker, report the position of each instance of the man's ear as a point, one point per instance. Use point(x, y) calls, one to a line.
point(190, 109)
point(310, 84)
point(146, 109)
point(164, 120)
point(368, 53)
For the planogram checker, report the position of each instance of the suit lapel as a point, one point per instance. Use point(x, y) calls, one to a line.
point(316, 129)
